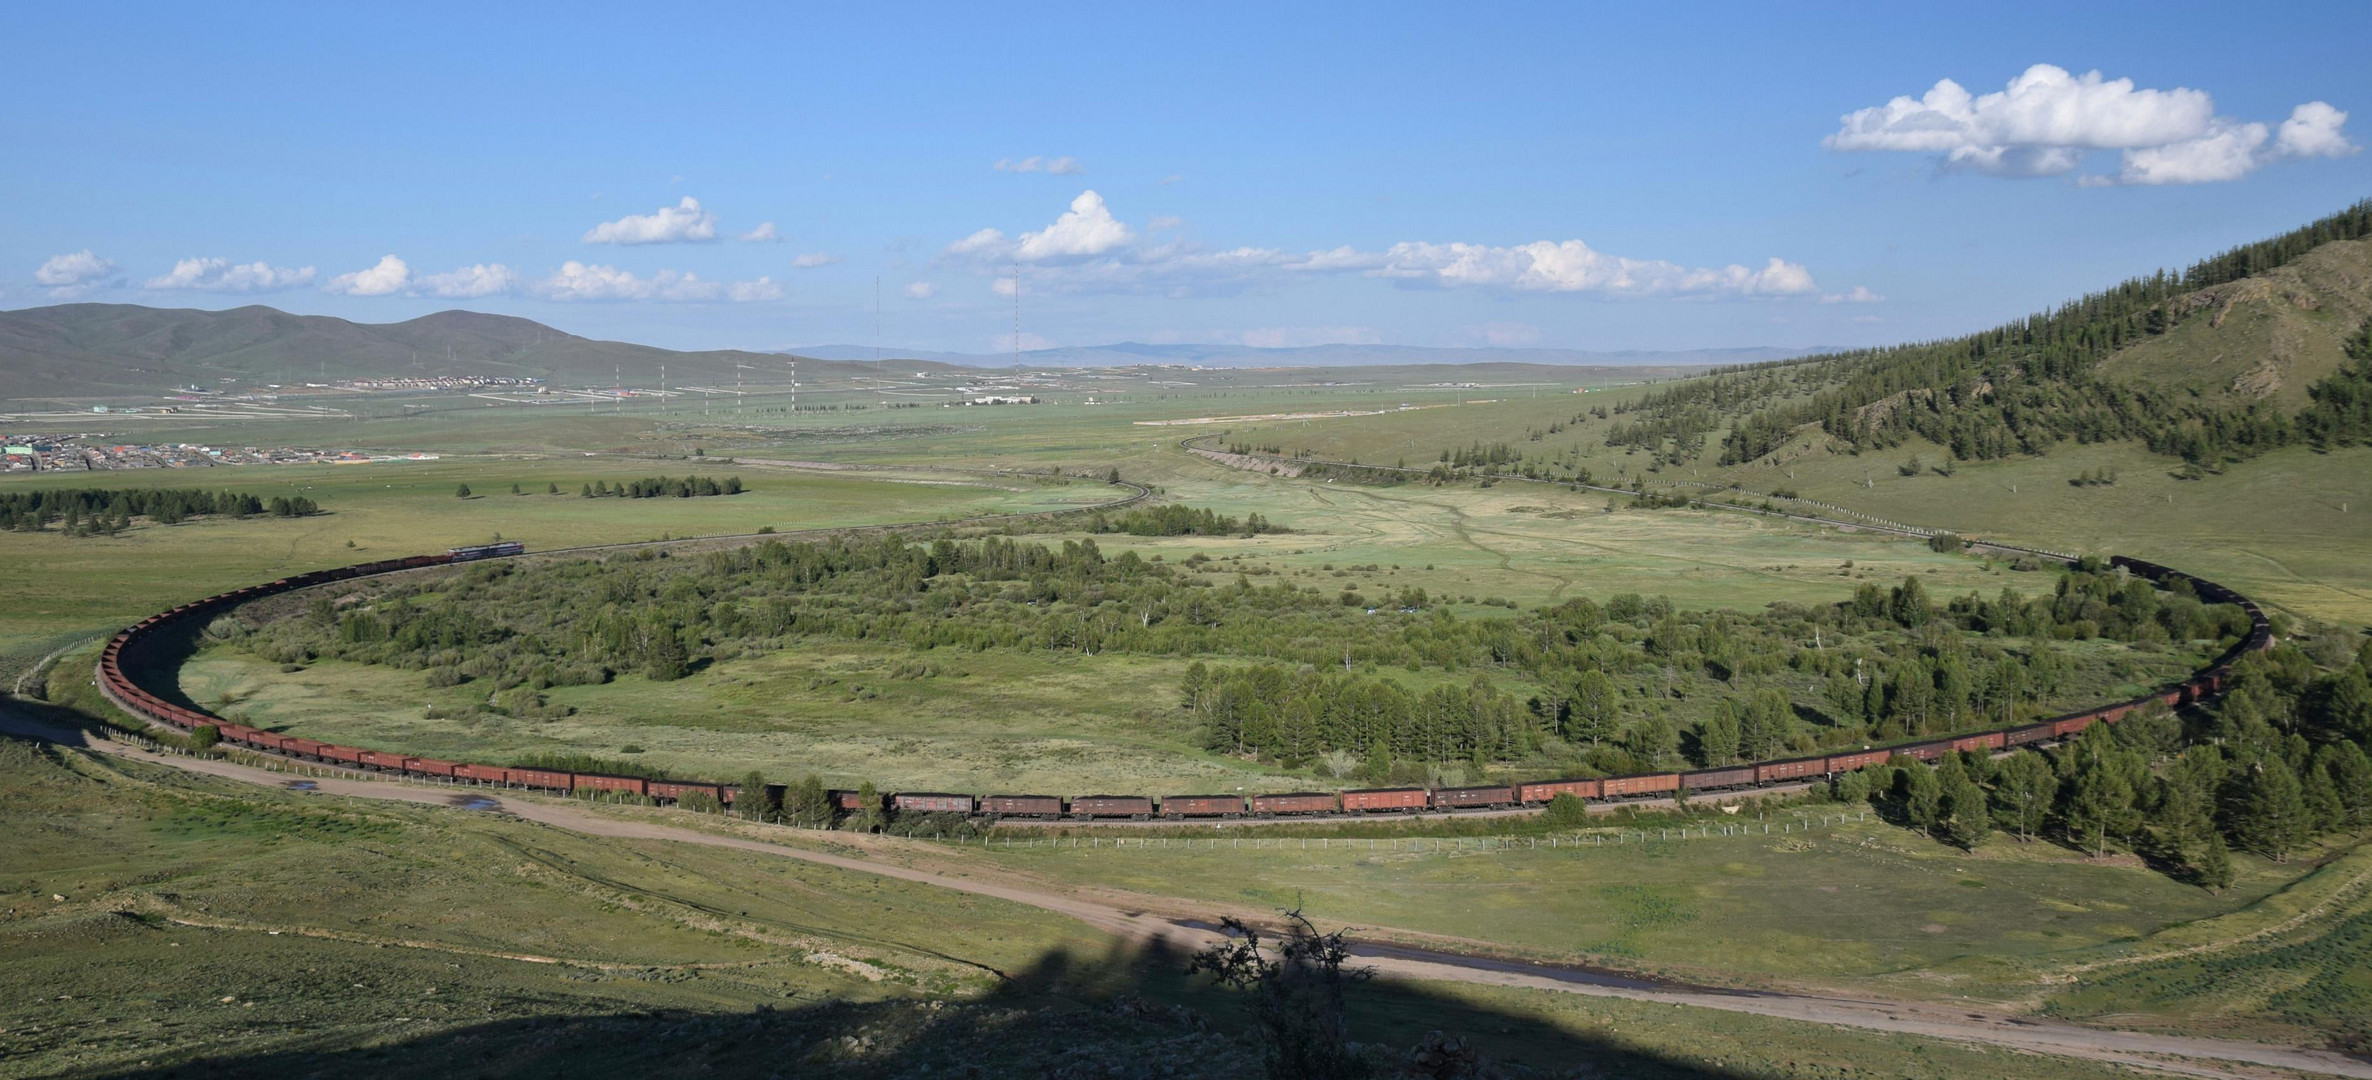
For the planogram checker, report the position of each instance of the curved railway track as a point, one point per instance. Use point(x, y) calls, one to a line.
point(125, 650)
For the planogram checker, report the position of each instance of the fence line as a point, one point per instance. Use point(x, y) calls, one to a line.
point(1801, 824)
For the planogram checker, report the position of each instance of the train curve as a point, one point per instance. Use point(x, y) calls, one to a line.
point(126, 693)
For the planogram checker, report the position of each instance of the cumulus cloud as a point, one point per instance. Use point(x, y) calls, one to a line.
point(1059, 166)
point(1087, 228)
point(74, 275)
point(683, 223)
point(387, 277)
point(921, 290)
point(469, 282)
point(225, 276)
point(2047, 120)
point(576, 281)
point(763, 234)
point(1088, 250)
point(1165, 221)
point(814, 259)
point(1861, 294)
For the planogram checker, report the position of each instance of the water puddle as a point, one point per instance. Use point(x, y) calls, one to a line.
point(1572, 973)
point(303, 785)
point(476, 802)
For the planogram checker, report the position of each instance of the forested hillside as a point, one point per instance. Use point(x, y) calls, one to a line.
point(2207, 365)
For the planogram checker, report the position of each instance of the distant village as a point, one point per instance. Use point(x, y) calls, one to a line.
point(91, 451)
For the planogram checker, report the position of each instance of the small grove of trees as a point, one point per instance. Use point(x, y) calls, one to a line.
point(108, 511)
point(1179, 520)
point(655, 487)
point(2278, 762)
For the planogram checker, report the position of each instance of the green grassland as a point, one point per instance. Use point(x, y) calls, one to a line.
point(1843, 904)
point(161, 924)
point(54, 589)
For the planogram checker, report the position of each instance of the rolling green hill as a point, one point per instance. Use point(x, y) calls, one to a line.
point(99, 349)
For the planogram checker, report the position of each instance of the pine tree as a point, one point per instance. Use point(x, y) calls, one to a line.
point(2270, 817)
point(1921, 796)
point(2215, 864)
point(2351, 781)
point(552, 488)
point(1962, 805)
point(2022, 793)
point(756, 801)
point(461, 492)
point(2099, 804)
point(1717, 738)
point(806, 803)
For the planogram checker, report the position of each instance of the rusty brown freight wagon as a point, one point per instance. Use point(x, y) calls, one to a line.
point(1540, 791)
point(848, 802)
point(675, 790)
point(1184, 806)
point(632, 785)
point(484, 774)
point(380, 759)
point(1769, 772)
point(1856, 759)
point(1042, 807)
point(1989, 740)
point(1712, 779)
point(1295, 803)
point(931, 802)
point(421, 766)
point(1617, 787)
point(1474, 798)
point(1405, 800)
point(548, 779)
point(1112, 806)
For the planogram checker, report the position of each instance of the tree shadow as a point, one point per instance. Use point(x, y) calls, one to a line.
point(1131, 1012)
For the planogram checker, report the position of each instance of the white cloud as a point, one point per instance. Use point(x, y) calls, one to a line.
point(751, 292)
point(225, 276)
point(1059, 166)
point(1003, 343)
point(74, 275)
point(2313, 131)
point(1165, 221)
point(1861, 294)
point(683, 223)
point(576, 281)
point(2047, 120)
point(814, 259)
point(1506, 334)
point(1571, 266)
point(388, 276)
point(1298, 337)
point(763, 234)
point(1088, 250)
point(921, 290)
point(1087, 228)
point(469, 282)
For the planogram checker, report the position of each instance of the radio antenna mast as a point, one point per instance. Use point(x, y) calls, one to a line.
point(1017, 320)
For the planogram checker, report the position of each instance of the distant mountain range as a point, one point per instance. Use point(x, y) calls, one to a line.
point(128, 349)
point(103, 350)
point(1130, 353)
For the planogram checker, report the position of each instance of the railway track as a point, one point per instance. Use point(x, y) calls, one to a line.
point(1765, 777)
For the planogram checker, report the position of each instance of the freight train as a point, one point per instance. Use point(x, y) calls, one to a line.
point(130, 696)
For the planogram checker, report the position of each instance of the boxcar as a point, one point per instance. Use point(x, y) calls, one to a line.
point(1540, 791)
point(1856, 759)
point(303, 748)
point(1178, 806)
point(1641, 784)
point(1295, 803)
point(1926, 751)
point(1407, 800)
point(1726, 777)
point(1771, 772)
point(342, 755)
point(429, 767)
point(633, 785)
point(548, 779)
point(2073, 725)
point(2027, 735)
point(1043, 807)
point(484, 774)
point(675, 790)
point(1474, 798)
point(1099, 806)
point(930, 802)
point(1988, 740)
point(382, 760)
point(849, 802)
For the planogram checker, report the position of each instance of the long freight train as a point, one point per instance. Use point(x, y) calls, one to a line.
point(129, 695)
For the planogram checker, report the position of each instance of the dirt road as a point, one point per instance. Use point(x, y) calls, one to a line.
point(1141, 922)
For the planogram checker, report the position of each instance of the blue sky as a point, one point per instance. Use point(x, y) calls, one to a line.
point(1555, 175)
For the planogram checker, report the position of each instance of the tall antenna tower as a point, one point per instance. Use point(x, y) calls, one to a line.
point(737, 394)
point(1017, 320)
point(877, 332)
point(617, 389)
point(794, 387)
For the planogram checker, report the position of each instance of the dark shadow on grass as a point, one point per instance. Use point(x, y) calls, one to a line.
point(1133, 1012)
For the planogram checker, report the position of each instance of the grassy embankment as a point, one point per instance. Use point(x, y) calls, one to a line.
point(165, 924)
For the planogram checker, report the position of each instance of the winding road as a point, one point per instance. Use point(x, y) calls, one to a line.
point(1149, 919)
